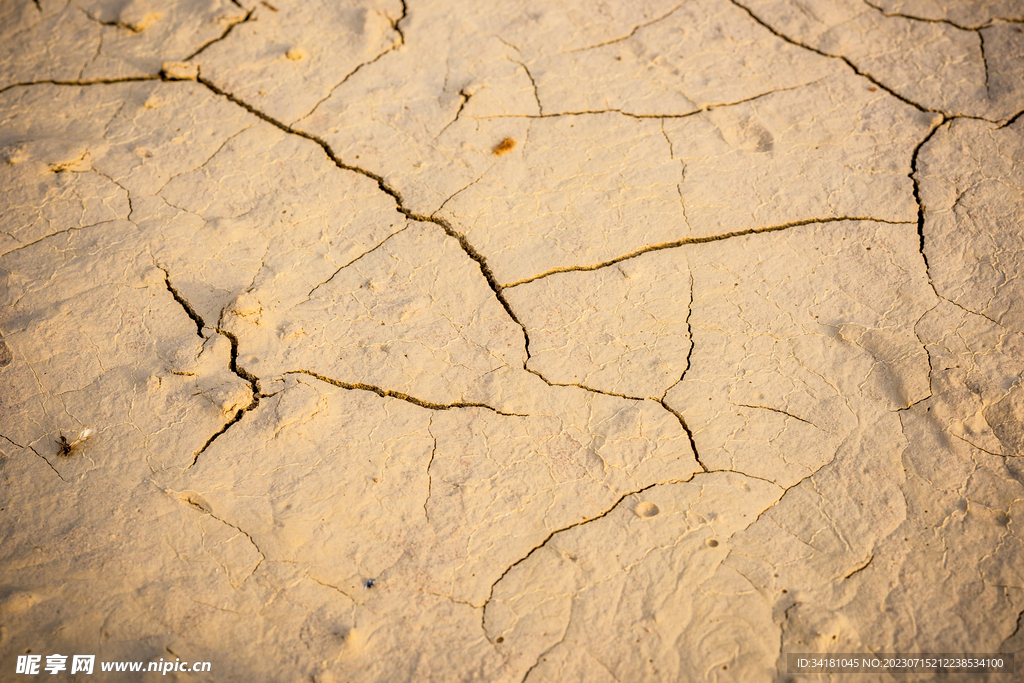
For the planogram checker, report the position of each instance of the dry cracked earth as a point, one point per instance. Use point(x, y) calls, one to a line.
point(635, 340)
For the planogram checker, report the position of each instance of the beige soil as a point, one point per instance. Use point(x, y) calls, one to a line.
point(527, 340)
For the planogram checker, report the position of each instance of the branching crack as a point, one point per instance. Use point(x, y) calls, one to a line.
point(388, 393)
point(38, 455)
point(467, 248)
point(845, 60)
point(254, 387)
point(470, 250)
point(462, 105)
point(206, 511)
point(889, 15)
point(554, 533)
point(393, 193)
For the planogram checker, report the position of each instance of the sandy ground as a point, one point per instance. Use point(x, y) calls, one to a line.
point(636, 340)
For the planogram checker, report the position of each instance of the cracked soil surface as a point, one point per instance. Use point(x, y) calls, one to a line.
point(636, 340)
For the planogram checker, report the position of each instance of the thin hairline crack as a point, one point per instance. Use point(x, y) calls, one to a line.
point(248, 17)
point(658, 117)
point(612, 508)
point(391, 393)
point(699, 240)
point(632, 33)
point(397, 28)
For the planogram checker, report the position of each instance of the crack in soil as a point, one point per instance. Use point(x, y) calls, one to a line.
point(390, 393)
point(917, 198)
point(248, 17)
point(948, 22)
point(88, 81)
point(185, 305)
point(845, 60)
point(699, 240)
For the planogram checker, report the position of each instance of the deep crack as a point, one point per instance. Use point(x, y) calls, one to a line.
point(253, 380)
point(1012, 120)
point(689, 433)
point(536, 92)
point(984, 59)
point(254, 388)
point(861, 568)
point(185, 305)
point(917, 198)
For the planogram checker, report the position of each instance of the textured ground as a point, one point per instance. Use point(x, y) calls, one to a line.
point(516, 340)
